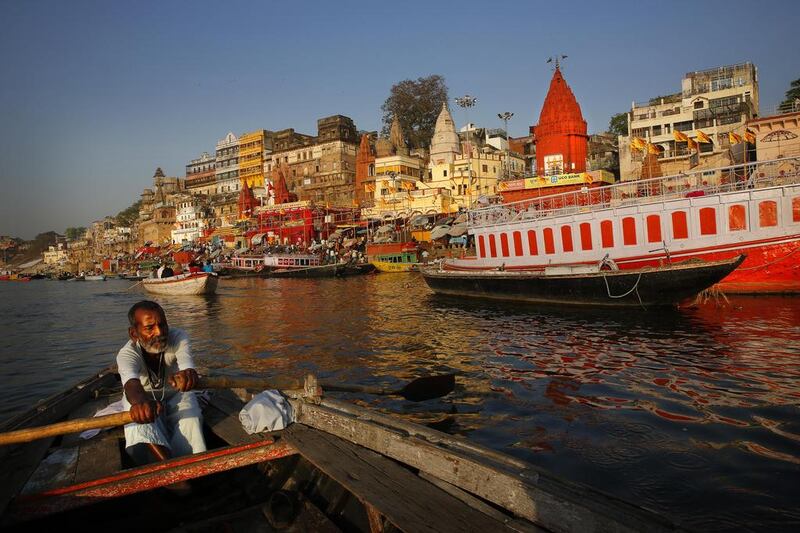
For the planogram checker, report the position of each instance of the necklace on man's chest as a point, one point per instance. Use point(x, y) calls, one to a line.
point(156, 378)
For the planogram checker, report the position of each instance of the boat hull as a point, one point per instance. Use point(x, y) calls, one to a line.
point(385, 266)
point(322, 271)
point(648, 287)
point(191, 284)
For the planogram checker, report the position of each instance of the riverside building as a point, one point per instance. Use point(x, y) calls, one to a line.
point(201, 175)
point(711, 104)
point(226, 171)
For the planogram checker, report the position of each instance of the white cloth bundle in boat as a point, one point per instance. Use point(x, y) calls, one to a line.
point(267, 411)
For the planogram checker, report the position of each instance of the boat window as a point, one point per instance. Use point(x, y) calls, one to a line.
point(517, 243)
point(653, 228)
point(607, 234)
point(796, 209)
point(708, 221)
point(586, 236)
point(629, 231)
point(533, 246)
point(680, 229)
point(481, 246)
point(504, 244)
point(549, 243)
point(767, 214)
point(566, 238)
point(492, 246)
point(737, 218)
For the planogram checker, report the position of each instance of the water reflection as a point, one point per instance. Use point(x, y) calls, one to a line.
point(692, 412)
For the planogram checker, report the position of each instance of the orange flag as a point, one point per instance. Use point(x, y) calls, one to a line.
point(692, 145)
point(653, 149)
point(680, 136)
point(734, 138)
point(702, 137)
point(750, 136)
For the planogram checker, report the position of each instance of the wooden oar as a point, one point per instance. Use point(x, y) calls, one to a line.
point(420, 389)
point(63, 428)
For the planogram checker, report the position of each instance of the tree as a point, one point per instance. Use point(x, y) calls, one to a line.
point(792, 100)
point(74, 233)
point(416, 104)
point(128, 216)
point(618, 125)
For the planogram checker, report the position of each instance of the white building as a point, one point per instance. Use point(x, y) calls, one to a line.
point(227, 165)
point(714, 101)
point(190, 219)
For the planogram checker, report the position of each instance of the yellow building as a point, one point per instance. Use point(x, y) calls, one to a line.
point(251, 157)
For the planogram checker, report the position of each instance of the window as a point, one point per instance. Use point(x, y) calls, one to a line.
point(504, 244)
point(533, 247)
point(566, 238)
point(484, 168)
point(708, 221)
point(680, 228)
point(737, 218)
point(698, 104)
point(607, 234)
point(549, 242)
point(586, 236)
point(767, 214)
point(628, 231)
point(492, 246)
point(653, 228)
point(444, 173)
point(517, 243)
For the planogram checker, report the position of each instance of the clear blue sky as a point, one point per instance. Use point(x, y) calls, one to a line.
point(96, 94)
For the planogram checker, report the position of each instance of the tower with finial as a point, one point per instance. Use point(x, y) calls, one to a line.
point(560, 136)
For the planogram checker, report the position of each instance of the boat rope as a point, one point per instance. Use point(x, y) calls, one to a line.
point(778, 260)
point(632, 289)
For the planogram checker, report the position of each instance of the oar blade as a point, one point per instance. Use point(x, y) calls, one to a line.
point(429, 387)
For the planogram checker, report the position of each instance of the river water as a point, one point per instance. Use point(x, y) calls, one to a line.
point(692, 413)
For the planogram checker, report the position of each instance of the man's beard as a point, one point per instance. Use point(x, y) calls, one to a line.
point(154, 345)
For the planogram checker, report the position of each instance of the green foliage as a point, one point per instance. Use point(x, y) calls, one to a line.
point(618, 125)
point(127, 216)
point(792, 100)
point(417, 105)
point(74, 233)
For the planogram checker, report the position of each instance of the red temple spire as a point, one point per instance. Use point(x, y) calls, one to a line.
point(247, 202)
point(560, 136)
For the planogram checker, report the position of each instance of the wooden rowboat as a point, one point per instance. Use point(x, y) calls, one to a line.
point(340, 467)
point(320, 271)
point(183, 284)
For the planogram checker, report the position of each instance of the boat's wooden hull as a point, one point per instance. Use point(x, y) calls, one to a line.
point(385, 266)
point(371, 470)
point(95, 278)
point(649, 287)
point(322, 271)
point(189, 284)
point(356, 270)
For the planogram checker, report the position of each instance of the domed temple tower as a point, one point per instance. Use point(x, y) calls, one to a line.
point(445, 144)
point(560, 136)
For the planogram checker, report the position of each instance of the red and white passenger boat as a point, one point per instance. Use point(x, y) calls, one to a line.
point(710, 214)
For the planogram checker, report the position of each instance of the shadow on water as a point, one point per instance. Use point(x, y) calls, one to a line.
point(692, 412)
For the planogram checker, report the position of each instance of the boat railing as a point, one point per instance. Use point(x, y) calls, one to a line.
point(701, 182)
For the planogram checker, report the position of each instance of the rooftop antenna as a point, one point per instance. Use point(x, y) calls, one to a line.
point(557, 59)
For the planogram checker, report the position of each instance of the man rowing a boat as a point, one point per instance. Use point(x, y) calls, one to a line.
point(167, 422)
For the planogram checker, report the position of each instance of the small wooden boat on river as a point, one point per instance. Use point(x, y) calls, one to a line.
point(584, 284)
point(393, 256)
point(318, 271)
point(97, 277)
point(340, 467)
point(183, 284)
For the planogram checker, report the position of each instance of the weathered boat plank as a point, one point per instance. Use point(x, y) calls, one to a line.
point(544, 500)
point(407, 501)
point(100, 456)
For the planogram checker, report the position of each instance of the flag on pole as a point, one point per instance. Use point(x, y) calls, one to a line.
point(637, 143)
point(680, 136)
point(750, 136)
point(653, 149)
point(734, 138)
point(692, 145)
point(702, 137)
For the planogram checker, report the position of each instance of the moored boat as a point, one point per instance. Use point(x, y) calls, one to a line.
point(318, 271)
point(339, 467)
point(183, 284)
point(709, 214)
point(98, 277)
point(584, 284)
point(394, 256)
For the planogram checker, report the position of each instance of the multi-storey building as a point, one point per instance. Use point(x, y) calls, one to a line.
point(227, 164)
point(252, 149)
point(321, 168)
point(191, 218)
point(201, 175)
point(711, 104)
